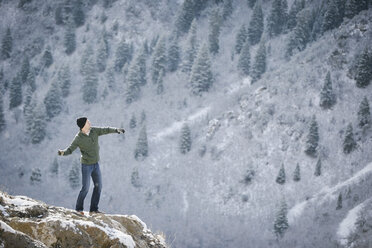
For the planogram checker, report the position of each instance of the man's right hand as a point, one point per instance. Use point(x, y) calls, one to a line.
point(60, 152)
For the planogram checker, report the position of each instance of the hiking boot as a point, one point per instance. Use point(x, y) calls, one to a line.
point(96, 212)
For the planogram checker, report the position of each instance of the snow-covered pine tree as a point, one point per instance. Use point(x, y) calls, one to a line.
point(240, 39)
point(251, 3)
point(160, 83)
point(277, 19)
point(90, 83)
point(35, 177)
point(340, 10)
point(123, 55)
point(102, 55)
point(110, 78)
point(3, 86)
point(159, 59)
point(201, 78)
point(70, 39)
point(296, 7)
point(30, 81)
point(133, 121)
point(185, 16)
point(38, 125)
point(363, 72)
point(280, 179)
point(191, 49)
point(259, 64)
point(133, 84)
point(141, 64)
point(185, 139)
point(318, 168)
point(53, 100)
point(330, 20)
point(143, 117)
point(47, 59)
point(227, 9)
point(2, 117)
point(256, 25)
point(353, 7)
point(25, 69)
point(312, 138)
point(297, 174)
point(300, 35)
point(78, 13)
point(214, 31)
point(244, 62)
point(364, 114)
point(134, 179)
point(64, 80)
point(74, 176)
point(349, 143)
point(28, 109)
point(54, 167)
point(281, 220)
point(327, 97)
point(142, 150)
point(339, 201)
point(15, 92)
point(173, 55)
point(7, 45)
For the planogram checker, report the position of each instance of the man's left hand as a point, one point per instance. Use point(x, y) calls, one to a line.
point(120, 130)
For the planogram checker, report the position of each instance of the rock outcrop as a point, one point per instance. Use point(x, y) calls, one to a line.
point(27, 223)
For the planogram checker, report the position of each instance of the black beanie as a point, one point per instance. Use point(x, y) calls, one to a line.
point(81, 122)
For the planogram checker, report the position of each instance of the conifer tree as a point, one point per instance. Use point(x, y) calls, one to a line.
point(201, 78)
point(353, 7)
point(312, 138)
point(53, 100)
point(339, 201)
point(78, 13)
point(90, 83)
point(160, 83)
point(143, 117)
point(7, 45)
point(185, 139)
point(244, 62)
point(363, 72)
point(141, 64)
point(102, 55)
point(15, 92)
point(227, 9)
point(38, 125)
point(297, 174)
point(251, 3)
point(214, 31)
point(133, 85)
point(141, 151)
point(318, 168)
point(349, 143)
point(54, 167)
point(134, 179)
point(259, 64)
point(70, 39)
point(280, 179)
point(74, 176)
point(25, 69)
point(3, 87)
point(29, 108)
point(30, 81)
point(185, 17)
point(133, 121)
point(281, 220)
point(296, 7)
point(173, 55)
point(110, 77)
point(300, 35)
point(64, 80)
point(256, 25)
point(159, 60)
point(330, 20)
point(35, 177)
point(240, 39)
point(364, 114)
point(47, 59)
point(2, 117)
point(123, 55)
point(327, 97)
point(191, 49)
point(277, 19)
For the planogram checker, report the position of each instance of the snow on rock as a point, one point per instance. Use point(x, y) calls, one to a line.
point(29, 223)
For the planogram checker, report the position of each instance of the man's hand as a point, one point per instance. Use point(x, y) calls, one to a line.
point(120, 130)
point(60, 152)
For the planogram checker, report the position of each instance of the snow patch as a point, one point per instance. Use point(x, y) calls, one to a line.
point(347, 226)
point(6, 227)
point(2, 209)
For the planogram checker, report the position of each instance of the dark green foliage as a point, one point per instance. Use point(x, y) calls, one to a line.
point(353, 7)
point(327, 97)
point(90, 83)
point(173, 55)
point(364, 114)
point(38, 124)
point(363, 72)
point(74, 176)
point(331, 17)
point(159, 60)
point(141, 151)
point(35, 177)
point(318, 168)
point(277, 19)
point(259, 64)
point(53, 100)
point(349, 143)
point(190, 9)
point(141, 64)
point(47, 59)
point(201, 78)
point(297, 174)
point(300, 35)
point(191, 49)
point(70, 39)
point(78, 13)
point(296, 7)
point(7, 45)
point(280, 179)
point(2, 117)
point(25, 69)
point(185, 139)
point(312, 138)
point(240, 39)
point(339, 202)
point(15, 92)
point(133, 121)
point(30, 81)
point(227, 9)
point(28, 109)
point(123, 55)
point(64, 80)
point(58, 15)
point(256, 25)
point(133, 84)
point(281, 220)
point(214, 31)
point(244, 62)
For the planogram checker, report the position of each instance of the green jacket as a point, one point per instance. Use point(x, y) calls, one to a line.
point(88, 145)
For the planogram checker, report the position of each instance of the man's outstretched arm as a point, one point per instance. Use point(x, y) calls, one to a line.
point(70, 149)
point(107, 130)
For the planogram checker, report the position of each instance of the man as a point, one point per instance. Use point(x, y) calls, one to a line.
point(87, 141)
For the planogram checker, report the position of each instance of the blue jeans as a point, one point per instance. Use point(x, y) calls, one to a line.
point(87, 171)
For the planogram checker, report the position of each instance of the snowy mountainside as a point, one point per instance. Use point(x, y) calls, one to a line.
point(242, 131)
